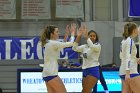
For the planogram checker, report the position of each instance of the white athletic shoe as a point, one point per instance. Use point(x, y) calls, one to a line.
point(41, 65)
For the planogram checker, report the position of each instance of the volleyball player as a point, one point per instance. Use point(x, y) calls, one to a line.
point(90, 54)
point(128, 69)
point(52, 50)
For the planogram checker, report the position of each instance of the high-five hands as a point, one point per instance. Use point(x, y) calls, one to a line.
point(66, 33)
point(83, 31)
point(71, 29)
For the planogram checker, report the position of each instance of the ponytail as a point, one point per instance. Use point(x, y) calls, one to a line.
point(128, 29)
point(125, 33)
point(43, 38)
point(46, 34)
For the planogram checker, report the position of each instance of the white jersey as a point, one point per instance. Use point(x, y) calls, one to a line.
point(90, 53)
point(51, 55)
point(128, 56)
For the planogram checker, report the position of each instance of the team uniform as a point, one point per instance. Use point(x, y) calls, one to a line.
point(90, 53)
point(51, 55)
point(128, 58)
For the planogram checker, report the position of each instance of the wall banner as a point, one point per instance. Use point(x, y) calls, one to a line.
point(134, 8)
point(12, 48)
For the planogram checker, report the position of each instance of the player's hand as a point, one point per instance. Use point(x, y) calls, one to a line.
point(73, 29)
point(80, 31)
point(66, 33)
point(85, 32)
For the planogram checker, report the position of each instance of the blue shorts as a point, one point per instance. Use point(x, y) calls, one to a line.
point(48, 78)
point(131, 76)
point(93, 71)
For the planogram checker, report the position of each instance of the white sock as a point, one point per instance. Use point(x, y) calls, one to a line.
point(106, 91)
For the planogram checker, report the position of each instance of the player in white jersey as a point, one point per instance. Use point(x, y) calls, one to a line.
point(128, 69)
point(51, 54)
point(90, 54)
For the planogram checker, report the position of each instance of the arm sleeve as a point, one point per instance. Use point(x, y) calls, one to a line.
point(128, 53)
point(94, 47)
point(77, 48)
point(65, 44)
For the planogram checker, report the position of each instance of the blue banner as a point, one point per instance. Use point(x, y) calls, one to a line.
point(134, 8)
point(27, 48)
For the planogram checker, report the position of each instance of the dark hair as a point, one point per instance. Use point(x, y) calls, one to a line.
point(97, 38)
point(46, 34)
point(128, 29)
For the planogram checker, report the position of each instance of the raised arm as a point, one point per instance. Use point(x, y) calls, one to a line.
point(70, 43)
point(95, 47)
point(66, 33)
point(75, 45)
point(72, 30)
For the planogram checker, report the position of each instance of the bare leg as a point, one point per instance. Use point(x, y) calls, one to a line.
point(126, 87)
point(57, 85)
point(83, 81)
point(90, 82)
point(49, 88)
point(135, 84)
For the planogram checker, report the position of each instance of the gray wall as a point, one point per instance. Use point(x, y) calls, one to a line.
point(23, 29)
point(116, 50)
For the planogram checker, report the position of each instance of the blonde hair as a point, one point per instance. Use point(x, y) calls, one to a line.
point(128, 29)
point(46, 34)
